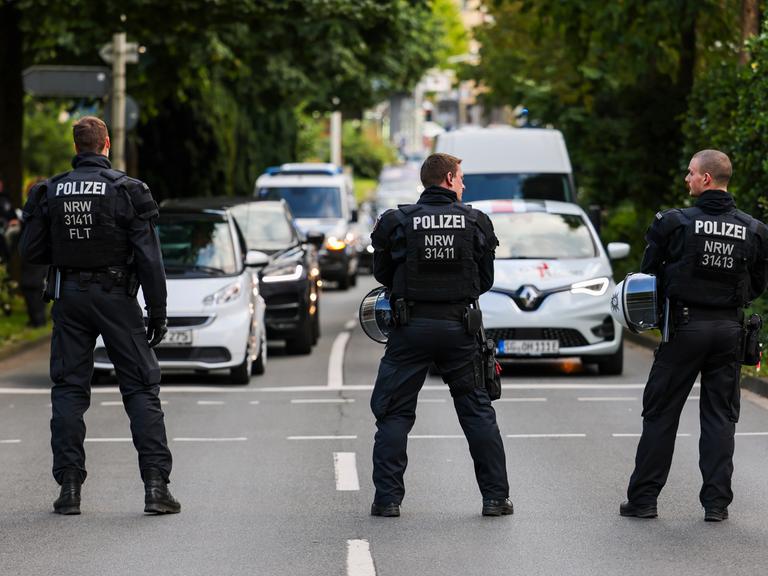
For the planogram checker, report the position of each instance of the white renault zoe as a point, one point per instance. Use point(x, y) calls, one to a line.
point(215, 310)
point(553, 285)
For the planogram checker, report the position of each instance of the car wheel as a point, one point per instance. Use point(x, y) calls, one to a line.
point(260, 364)
point(241, 374)
point(316, 325)
point(301, 343)
point(99, 376)
point(612, 365)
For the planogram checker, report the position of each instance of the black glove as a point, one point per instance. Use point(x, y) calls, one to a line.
point(156, 330)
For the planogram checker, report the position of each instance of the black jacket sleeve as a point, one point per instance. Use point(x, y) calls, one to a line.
point(485, 251)
point(384, 264)
point(35, 240)
point(657, 239)
point(140, 212)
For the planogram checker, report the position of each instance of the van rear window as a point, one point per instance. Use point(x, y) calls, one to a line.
point(527, 186)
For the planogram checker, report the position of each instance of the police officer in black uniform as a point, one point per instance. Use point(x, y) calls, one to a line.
point(711, 262)
point(94, 226)
point(435, 257)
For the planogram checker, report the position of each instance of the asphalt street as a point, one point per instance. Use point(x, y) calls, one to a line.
point(274, 477)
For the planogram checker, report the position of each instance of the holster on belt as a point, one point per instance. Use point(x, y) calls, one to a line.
point(401, 312)
point(751, 348)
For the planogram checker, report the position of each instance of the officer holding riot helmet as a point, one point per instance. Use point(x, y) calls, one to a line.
point(435, 257)
point(94, 227)
point(711, 262)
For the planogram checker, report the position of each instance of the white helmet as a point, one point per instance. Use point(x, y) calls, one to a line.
point(376, 315)
point(634, 303)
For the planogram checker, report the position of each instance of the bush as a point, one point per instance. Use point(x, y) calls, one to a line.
point(365, 151)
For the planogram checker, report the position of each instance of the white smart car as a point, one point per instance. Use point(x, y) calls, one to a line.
point(553, 285)
point(215, 310)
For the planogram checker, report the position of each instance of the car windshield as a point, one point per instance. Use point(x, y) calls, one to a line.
point(307, 201)
point(194, 247)
point(527, 186)
point(541, 235)
point(265, 228)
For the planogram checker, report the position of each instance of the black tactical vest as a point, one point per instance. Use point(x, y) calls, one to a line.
point(713, 269)
point(439, 264)
point(82, 209)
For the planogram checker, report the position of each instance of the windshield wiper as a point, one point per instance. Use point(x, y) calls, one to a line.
point(195, 268)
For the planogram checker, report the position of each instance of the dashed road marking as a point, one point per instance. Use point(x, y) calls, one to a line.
point(607, 399)
point(336, 361)
point(234, 439)
point(322, 401)
point(345, 471)
point(637, 435)
point(120, 403)
point(11, 441)
point(350, 324)
point(751, 433)
point(359, 559)
point(323, 437)
point(521, 399)
point(546, 435)
point(253, 402)
point(210, 402)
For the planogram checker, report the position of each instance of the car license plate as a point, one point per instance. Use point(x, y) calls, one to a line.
point(528, 347)
point(177, 338)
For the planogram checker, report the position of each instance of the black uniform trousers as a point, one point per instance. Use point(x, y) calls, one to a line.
point(410, 351)
point(79, 316)
point(712, 347)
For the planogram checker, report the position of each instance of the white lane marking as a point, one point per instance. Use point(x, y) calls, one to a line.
point(435, 436)
point(432, 400)
point(235, 439)
point(546, 435)
point(120, 403)
point(322, 401)
point(350, 324)
point(352, 387)
point(108, 440)
point(329, 437)
point(607, 399)
point(253, 402)
point(751, 433)
point(12, 441)
point(359, 559)
point(345, 471)
point(210, 402)
point(531, 399)
point(694, 398)
point(336, 361)
point(637, 435)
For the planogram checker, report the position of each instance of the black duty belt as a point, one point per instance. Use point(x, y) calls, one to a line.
point(438, 310)
point(113, 277)
point(693, 312)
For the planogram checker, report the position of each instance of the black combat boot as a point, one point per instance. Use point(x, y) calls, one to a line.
point(157, 498)
point(391, 510)
point(500, 507)
point(715, 514)
point(68, 502)
point(646, 511)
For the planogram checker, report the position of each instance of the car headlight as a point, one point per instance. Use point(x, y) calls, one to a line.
point(229, 293)
point(333, 243)
point(284, 273)
point(594, 287)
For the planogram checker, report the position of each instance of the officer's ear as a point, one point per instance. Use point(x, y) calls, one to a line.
point(107, 146)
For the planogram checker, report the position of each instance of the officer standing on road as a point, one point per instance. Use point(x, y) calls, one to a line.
point(435, 257)
point(711, 262)
point(94, 226)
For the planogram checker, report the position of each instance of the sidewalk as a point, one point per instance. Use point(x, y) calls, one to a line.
point(756, 384)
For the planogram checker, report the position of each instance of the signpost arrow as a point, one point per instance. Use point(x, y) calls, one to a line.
point(67, 81)
point(131, 53)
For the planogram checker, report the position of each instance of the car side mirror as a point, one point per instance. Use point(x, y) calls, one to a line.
point(316, 238)
point(617, 250)
point(256, 259)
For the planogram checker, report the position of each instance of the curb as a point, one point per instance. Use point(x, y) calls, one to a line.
point(752, 383)
point(15, 348)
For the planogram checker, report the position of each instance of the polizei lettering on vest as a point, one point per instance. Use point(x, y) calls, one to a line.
point(85, 187)
point(726, 229)
point(434, 221)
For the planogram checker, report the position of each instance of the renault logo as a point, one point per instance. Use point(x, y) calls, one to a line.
point(527, 297)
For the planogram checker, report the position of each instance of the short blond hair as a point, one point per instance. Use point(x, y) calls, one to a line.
point(716, 164)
